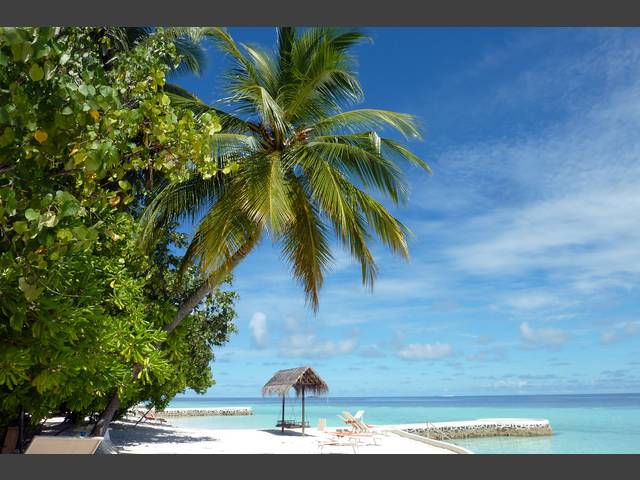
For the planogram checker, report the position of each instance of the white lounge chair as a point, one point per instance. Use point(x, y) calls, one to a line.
point(361, 429)
point(50, 444)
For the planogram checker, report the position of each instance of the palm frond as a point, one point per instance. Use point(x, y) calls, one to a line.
point(230, 147)
point(305, 244)
point(178, 201)
point(360, 157)
point(193, 56)
point(257, 99)
point(368, 119)
point(322, 75)
point(223, 232)
point(227, 44)
point(265, 66)
point(184, 99)
point(327, 187)
point(286, 40)
point(266, 193)
point(393, 148)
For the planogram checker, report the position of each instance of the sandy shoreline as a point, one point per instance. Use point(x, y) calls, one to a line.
point(148, 438)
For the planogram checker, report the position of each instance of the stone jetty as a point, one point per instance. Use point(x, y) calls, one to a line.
point(484, 427)
point(205, 412)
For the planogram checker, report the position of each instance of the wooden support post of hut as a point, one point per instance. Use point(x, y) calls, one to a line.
point(302, 379)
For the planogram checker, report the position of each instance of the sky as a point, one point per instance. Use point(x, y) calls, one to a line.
point(525, 254)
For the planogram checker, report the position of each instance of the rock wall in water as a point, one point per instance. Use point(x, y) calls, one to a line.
point(477, 428)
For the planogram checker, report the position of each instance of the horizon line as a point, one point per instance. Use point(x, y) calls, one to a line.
point(426, 396)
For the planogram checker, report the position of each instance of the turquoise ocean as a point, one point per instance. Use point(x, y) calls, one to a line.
point(599, 423)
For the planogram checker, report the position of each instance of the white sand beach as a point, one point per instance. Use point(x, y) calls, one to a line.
point(154, 438)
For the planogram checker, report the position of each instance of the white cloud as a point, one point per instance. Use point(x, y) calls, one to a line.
point(532, 300)
point(559, 201)
point(291, 324)
point(425, 351)
point(632, 328)
point(258, 327)
point(619, 332)
point(543, 336)
point(308, 345)
point(608, 337)
point(371, 351)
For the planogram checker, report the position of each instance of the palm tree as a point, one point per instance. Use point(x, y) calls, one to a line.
point(301, 166)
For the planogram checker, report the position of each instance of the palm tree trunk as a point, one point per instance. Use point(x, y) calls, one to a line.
point(100, 428)
point(185, 309)
point(190, 303)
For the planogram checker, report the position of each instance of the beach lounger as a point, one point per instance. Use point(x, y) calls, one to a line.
point(347, 423)
point(338, 439)
point(51, 444)
point(149, 415)
point(352, 420)
point(357, 422)
point(361, 428)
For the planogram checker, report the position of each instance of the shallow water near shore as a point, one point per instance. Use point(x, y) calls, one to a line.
point(581, 423)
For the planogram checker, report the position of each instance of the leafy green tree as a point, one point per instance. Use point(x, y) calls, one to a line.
point(85, 127)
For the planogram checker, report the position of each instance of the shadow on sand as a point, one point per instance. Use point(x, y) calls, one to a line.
point(121, 435)
point(287, 433)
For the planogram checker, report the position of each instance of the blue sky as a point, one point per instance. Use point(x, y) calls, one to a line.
point(525, 258)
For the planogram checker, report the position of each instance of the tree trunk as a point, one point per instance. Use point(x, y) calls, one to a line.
point(100, 428)
point(189, 304)
point(185, 309)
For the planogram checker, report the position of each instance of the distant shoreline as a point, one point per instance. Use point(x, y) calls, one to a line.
point(198, 397)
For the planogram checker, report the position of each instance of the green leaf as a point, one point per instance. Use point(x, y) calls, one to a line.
point(16, 321)
point(105, 91)
point(20, 227)
point(36, 73)
point(93, 162)
point(43, 52)
point(31, 292)
point(21, 51)
point(31, 214)
point(7, 138)
point(80, 232)
point(64, 235)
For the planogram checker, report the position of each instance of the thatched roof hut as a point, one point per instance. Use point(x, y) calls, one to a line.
point(301, 379)
point(295, 378)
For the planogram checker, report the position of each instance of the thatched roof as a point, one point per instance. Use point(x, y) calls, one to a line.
point(295, 378)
